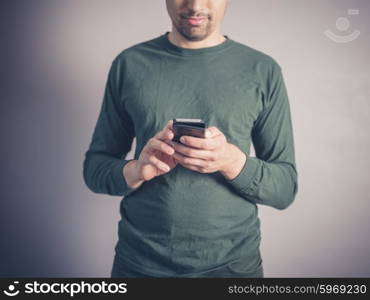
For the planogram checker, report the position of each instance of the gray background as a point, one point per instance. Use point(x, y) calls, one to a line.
point(53, 75)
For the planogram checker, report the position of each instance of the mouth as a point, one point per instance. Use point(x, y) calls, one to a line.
point(195, 21)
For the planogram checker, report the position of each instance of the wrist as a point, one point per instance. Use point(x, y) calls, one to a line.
point(132, 174)
point(232, 169)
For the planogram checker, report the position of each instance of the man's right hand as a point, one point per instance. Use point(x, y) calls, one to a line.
point(155, 159)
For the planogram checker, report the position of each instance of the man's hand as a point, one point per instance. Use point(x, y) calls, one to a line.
point(210, 154)
point(155, 158)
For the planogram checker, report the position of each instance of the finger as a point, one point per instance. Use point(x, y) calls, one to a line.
point(190, 161)
point(156, 144)
point(158, 163)
point(193, 152)
point(199, 143)
point(169, 124)
point(212, 132)
point(214, 140)
point(166, 132)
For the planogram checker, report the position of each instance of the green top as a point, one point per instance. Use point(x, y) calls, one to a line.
point(186, 222)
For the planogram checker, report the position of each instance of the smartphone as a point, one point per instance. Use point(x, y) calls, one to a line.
point(192, 127)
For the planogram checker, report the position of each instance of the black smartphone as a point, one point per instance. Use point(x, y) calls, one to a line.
point(192, 127)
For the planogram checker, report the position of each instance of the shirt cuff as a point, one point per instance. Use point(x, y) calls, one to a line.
point(119, 180)
point(244, 180)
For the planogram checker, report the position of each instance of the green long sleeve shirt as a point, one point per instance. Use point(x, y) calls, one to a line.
point(186, 222)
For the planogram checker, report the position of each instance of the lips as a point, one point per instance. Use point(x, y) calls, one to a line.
point(195, 20)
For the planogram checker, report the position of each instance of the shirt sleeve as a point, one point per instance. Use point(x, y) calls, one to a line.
point(270, 178)
point(111, 141)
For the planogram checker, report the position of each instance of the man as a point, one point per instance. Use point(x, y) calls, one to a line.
point(190, 209)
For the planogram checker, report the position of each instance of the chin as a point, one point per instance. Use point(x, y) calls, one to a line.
point(193, 35)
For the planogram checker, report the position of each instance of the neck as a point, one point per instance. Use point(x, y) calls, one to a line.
point(213, 39)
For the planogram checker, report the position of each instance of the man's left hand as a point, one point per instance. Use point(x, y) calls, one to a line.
point(210, 154)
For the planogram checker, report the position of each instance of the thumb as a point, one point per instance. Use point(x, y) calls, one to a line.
point(212, 132)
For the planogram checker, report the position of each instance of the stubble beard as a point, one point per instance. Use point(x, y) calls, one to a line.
point(194, 33)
